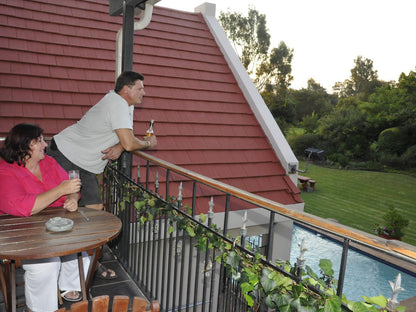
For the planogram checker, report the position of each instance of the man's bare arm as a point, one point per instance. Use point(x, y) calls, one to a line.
point(130, 143)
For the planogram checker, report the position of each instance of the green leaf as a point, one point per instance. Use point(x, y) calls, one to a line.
point(139, 204)
point(280, 279)
point(190, 231)
point(401, 309)
point(171, 229)
point(362, 307)
point(269, 301)
point(202, 243)
point(330, 291)
point(246, 287)
point(250, 301)
point(252, 275)
point(149, 217)
point(218, 258)
point(202, 218)
point(233, 259)
point(380, 300)
point(267, 282)
point(333, 304)
point(283, 302)
point(310, 272)
point(326, 267)
point(311, 281)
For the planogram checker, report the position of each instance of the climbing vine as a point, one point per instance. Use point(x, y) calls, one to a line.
point(281, 289)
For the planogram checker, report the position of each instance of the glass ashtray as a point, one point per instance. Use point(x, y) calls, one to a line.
point(59, 224)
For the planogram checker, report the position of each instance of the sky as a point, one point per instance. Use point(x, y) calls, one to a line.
point(328, 35)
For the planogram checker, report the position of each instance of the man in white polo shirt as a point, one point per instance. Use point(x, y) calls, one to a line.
point(102, 134)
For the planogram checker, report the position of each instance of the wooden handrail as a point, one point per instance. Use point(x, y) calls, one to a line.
point(393, 247)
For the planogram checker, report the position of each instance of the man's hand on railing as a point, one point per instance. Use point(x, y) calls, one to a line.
point(113, 152)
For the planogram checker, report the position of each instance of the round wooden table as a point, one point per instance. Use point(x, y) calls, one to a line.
point(24, 238)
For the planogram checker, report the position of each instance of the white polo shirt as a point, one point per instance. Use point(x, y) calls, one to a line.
point(83, 142)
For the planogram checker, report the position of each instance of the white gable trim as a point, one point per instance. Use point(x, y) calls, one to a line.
point(280, 146)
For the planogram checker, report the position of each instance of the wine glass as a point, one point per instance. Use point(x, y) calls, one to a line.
point(73, 174)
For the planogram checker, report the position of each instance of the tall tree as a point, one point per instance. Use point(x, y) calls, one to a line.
point(251, 40)
point(363, 80)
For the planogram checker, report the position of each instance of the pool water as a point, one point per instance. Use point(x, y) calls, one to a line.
point(365, 276)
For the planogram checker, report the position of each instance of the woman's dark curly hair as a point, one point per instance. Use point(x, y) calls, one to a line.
point(17, 144)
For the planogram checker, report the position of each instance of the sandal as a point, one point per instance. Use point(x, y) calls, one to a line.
point(66, 298)
point(103, 273)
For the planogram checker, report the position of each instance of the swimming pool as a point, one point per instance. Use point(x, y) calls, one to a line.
point(365, 276)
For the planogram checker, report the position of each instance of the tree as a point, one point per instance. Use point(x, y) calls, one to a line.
point(281, 105)
point(313, 99)
point(363, 80)
point(251, 41)
point(393, 105)
point(344, 132)
point(277, 70)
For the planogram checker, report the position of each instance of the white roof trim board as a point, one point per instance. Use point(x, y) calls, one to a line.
point(253, 97)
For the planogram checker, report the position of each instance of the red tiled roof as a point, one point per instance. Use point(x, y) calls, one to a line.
point(58, 59)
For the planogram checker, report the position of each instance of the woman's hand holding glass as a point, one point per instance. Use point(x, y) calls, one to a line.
point(72, 187)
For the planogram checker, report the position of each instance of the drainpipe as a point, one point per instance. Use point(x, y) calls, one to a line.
point(143, 23)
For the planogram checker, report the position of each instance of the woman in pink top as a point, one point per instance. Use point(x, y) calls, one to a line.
point(31, 181)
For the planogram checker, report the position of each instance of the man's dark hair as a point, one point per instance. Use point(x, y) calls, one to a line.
point(17, 144)
point(127, 78)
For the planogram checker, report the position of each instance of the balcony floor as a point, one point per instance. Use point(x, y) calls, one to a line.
point(123, 285)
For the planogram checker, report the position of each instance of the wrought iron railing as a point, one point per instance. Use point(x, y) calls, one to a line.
point(162, 257)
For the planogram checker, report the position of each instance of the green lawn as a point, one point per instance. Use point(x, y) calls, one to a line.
point(360, 198)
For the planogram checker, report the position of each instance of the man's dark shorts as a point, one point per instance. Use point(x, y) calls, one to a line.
point(90, 189)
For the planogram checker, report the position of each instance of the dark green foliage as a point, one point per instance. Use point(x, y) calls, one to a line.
point(312, 100)
point(393, 141)
point(341, 159)
point(343, 132)
point(381, 129)
point(409, 157)
point(310, 123)
point(300, 143)
point(366, 120)
point(391, 160)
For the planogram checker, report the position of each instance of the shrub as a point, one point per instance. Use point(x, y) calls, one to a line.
point(394, 223)
point(394, 140)
point(391, 160)
point(300, 143)
point(341, 159)
point(409, 157)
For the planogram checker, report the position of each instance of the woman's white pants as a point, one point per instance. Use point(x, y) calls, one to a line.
point(42, 278)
